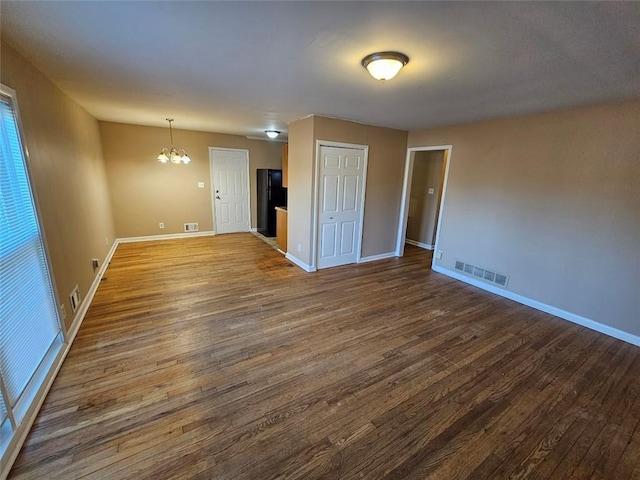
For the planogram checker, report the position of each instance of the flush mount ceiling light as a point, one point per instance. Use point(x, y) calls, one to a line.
point(272, 133)
point(384, 65)
point(173, 154)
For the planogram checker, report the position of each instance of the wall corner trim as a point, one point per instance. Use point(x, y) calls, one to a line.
point(373, 258)
point(299, 263)
point(572, 317)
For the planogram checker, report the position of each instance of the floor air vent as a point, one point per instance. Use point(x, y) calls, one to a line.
point(482, 274)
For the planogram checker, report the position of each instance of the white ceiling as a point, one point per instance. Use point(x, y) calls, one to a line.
point(243, 67)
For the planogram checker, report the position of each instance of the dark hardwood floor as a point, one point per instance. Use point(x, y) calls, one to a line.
point(215, 358)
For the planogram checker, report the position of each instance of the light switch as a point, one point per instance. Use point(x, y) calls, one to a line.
point(430, 191)
point(200, 184)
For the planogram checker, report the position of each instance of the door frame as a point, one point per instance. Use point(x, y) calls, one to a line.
point(212, 180)
point(406, 191)
point(316, 197)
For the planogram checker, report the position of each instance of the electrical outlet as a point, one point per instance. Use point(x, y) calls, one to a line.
point(161, 224)
point(63, 312)
point(438, 254)
point(106, 241)
point(200, 184)
point(95, 263)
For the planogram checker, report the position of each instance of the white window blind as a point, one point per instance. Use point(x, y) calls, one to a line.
point(3, 410)
point(29, 321)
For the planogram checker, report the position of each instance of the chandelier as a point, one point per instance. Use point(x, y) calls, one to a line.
point(173, 154)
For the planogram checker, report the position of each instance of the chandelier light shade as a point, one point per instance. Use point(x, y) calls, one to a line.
point(272, 133)
point(173, 154)
point(384, 65)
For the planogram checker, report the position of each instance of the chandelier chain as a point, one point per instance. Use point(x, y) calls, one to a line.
point(170, 129)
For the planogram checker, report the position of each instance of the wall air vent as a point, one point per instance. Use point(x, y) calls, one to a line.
point(501, 279)
point(483, 274)
point(74, 298)
point(190, 227)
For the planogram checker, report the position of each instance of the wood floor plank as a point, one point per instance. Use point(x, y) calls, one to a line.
point(216, 358)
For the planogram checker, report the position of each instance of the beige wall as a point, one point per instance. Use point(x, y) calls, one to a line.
point(145, 192)
point(387, 150)
point(300, 191)
point(67, 172)
point(423, 206)
point(553, 200)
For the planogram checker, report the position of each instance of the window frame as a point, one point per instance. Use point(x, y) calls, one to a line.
point(21, 416)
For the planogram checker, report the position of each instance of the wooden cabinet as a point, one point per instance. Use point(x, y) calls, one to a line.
point(281, 229)
point(285, 165)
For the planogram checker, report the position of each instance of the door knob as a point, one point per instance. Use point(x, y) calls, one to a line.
point(218, 197)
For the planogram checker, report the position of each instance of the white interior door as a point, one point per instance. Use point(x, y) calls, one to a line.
point(230, 182)
point(341, 183)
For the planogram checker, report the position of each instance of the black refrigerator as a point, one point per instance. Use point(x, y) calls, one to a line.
point(271, 194)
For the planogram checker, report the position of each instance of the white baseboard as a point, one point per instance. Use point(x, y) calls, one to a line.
point(72, 331)
point(415, 243)
point(170, 236)
point(253, 230)
point(86, 301)
point(299, 263)
point(373, 258)
point(572, 317)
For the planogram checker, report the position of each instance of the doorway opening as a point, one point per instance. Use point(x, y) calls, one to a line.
point(423, 195)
